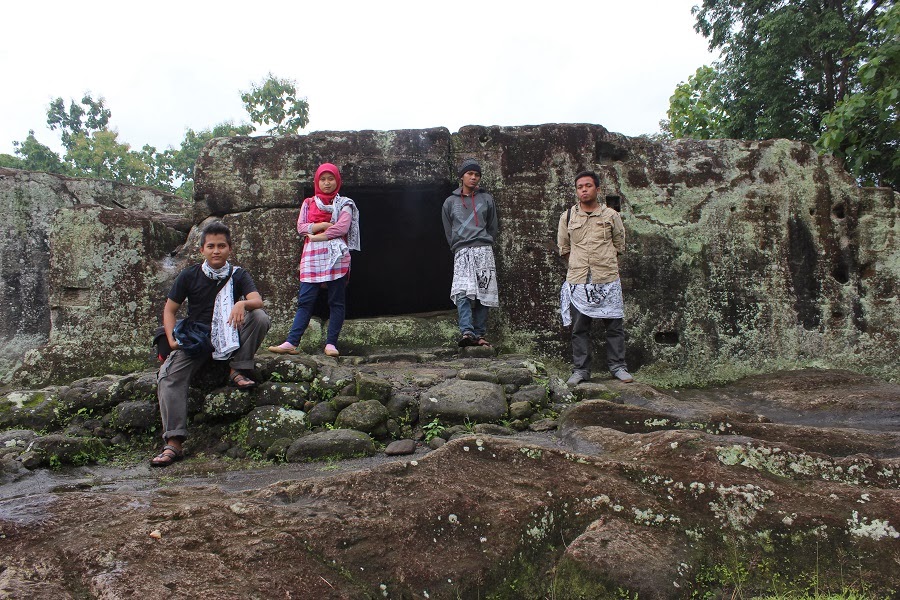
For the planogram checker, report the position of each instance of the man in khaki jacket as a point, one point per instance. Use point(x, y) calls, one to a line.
point(590, 237)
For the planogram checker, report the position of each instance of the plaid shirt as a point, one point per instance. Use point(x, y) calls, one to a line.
point(315, 259)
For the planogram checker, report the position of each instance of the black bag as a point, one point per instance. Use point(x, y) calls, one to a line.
point(160, 344)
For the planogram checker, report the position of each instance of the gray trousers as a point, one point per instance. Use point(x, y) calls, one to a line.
point(175, 374)
point(581, 343)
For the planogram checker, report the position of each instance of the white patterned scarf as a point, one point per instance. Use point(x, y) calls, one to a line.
point(594, 300)
point(337, 248)
point(224, 336)
point(475, 275)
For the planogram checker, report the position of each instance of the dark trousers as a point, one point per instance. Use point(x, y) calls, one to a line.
point(306, 301)
point(581, 343)
point(175, 374)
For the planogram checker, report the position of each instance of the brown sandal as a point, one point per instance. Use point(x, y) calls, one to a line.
point(466, 340)
point(484, 342)
point(241, 381)
point(170, 454)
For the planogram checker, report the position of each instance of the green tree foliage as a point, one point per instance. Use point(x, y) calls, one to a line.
point(179, 163)
point(93, 150)
point(275, 101)
point(697, 109)
point(864, 127)
point(102, 156)
point(81, 118)
point(786, 64)
point(34, 156)
point(10, 162)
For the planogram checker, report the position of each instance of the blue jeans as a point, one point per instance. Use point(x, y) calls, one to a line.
point(472, 316)
point(306, 300)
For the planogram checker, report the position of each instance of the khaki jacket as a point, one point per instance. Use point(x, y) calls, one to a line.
point(593, 241)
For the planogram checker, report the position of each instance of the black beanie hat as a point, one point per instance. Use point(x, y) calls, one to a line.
point(470, 164)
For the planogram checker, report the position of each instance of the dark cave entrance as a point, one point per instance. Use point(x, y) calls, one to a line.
point(405, 265)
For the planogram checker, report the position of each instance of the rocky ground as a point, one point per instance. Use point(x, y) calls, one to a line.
point(777, 482)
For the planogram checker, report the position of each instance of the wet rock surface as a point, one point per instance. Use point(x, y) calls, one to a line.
point(663, 495)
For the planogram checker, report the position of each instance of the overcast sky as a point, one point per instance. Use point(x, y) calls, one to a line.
point(167, 65)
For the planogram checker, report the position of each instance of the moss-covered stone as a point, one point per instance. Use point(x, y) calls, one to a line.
point(35, 409)
point(372, 387)
point(267, 424)
point(228, 402)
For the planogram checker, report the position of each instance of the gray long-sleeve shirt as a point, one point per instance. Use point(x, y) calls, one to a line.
point(469, 221)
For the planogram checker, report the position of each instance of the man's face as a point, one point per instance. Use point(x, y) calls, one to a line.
point(586, 190)
point(470, 179)
point(216, 250)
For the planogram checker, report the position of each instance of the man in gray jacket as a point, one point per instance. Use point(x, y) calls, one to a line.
point(470, 224)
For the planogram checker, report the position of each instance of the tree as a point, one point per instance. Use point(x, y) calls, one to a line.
point(785, 65)
point(180, 162)
point(35, 156)
point(93, 150)
point(101, 155)
point(77, 120)
point(864, 127)
point(275, 101)
point(697, 109)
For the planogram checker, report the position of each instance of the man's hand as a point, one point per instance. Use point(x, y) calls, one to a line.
point(173, 343)
point(236, 318)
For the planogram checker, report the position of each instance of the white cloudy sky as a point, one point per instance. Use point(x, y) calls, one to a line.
point(167, 65)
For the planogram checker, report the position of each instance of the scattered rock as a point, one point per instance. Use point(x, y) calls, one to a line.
point(287, 369)
point(536, 395)
point(543, 425)
point(476, 375)
point(135, 415)
point(400, 447)
point(342, 402)
point(371, 387)
point(337, 443)
point(454, 401)
point(267, 424)
point(292, 395)
point(403, 406)
point(228, 402)
point(59, 449)
point(365, 415)
point(322, 413)
point(37, 409)
point(517, 377)
point(493, 429)
point(520, 410)
point(477, 352)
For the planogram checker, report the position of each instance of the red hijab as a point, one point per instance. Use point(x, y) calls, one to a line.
point(313, 213)
point(327, 168)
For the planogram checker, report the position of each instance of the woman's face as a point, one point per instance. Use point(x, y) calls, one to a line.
point(327, 183)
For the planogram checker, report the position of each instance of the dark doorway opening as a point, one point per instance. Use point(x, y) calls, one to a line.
point(405, 265)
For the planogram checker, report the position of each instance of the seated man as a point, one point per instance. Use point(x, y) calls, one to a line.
point(225, 321)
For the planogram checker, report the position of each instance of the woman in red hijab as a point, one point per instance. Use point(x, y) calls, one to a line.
point(329, 224)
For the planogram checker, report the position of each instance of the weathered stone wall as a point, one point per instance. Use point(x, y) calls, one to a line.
point(739, 253)
point(743, 255)
point(29, 203)
point(255, 185)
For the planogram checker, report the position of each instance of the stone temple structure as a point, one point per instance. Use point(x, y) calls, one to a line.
point(740, 254)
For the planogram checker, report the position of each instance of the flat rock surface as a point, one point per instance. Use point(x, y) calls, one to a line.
point(487, 515)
